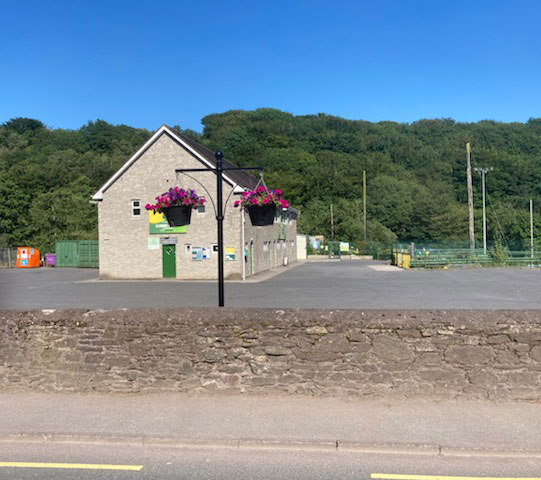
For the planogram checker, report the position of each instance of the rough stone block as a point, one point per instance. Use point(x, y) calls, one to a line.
point(118, 361)
point(483, 377)
point(317, 330)
point(93, 358)
point(260, 381)
point(535, 354)
point(185, 366)
point(392, 349)
point(356, 336)
point(442, 376)
point(277, 351)
point(497, 339)
point(469, 355)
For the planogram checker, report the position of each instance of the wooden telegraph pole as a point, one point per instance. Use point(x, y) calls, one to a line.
point(470, 197)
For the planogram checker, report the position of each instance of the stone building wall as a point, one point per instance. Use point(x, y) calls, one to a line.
point(459, 354)
point(124, 248)
point(271, 245)
point(124, 239)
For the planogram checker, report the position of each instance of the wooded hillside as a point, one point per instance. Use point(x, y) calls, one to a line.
point(416, 174)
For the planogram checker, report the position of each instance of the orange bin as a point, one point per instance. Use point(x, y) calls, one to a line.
point(27, 257)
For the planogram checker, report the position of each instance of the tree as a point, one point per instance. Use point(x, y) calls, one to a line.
point(22, 125)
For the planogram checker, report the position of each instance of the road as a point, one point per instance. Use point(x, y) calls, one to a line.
point(165, 463)
point(339, 284)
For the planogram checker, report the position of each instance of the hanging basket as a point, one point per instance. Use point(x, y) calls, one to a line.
point(178, 215)
point(262, 216)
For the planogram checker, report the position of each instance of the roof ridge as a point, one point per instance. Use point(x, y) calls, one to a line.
point(242, 178)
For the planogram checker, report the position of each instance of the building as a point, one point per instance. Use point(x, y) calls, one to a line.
point(135, 244)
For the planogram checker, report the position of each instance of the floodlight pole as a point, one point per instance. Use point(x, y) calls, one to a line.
point(219, 213)
point(531, 230)
point(483, 172)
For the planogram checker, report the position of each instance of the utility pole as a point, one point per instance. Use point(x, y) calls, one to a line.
point(483, 172)
point(332, 225)
point(364, 205)
point(531, 229)
point(471, 230)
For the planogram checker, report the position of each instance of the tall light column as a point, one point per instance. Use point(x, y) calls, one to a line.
point(483, 172)
point(531, 229)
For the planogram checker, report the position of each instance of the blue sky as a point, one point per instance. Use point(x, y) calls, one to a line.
point(148, 63)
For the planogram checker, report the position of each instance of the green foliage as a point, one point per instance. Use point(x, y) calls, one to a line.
point(416, 174)
point(500, 253)
point(22, 125)
point(48, 176)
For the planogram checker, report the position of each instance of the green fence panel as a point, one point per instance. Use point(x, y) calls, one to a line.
point(88, 254)
point(426, 255)
point(77, 253)
point(67, 253)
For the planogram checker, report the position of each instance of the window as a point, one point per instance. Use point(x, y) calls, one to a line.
point(136, 208)
point(201, 209)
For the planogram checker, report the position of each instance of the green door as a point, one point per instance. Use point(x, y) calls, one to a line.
point(169, 261)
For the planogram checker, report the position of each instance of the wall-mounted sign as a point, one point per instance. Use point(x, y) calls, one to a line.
point(200, 253)
point(230, 253)
point(157, 225)
point(153, 243)
point(197, 253)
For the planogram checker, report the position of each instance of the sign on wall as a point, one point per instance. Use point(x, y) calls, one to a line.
point(157, 225)
point(197, 253)
point(200, 253)
point(153, 243)
point(230, 253)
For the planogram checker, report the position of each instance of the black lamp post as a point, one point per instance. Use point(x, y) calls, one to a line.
point(219, 213)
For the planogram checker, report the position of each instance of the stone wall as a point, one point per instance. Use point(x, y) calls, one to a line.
point(458, 354)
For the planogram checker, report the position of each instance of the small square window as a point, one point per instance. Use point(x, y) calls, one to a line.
point(201, 209)
point(136, 208)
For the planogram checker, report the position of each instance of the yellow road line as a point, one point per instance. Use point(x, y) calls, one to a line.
point(393, 476)
point(84, 466)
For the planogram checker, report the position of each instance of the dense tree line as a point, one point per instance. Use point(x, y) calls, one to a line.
point(416, 174)
point(48, 176)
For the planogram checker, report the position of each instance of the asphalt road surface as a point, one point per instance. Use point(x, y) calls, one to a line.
point(45, 461)
point(331, 284)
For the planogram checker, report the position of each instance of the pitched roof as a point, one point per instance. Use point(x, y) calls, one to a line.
point(237, 178)
point(244, 179)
